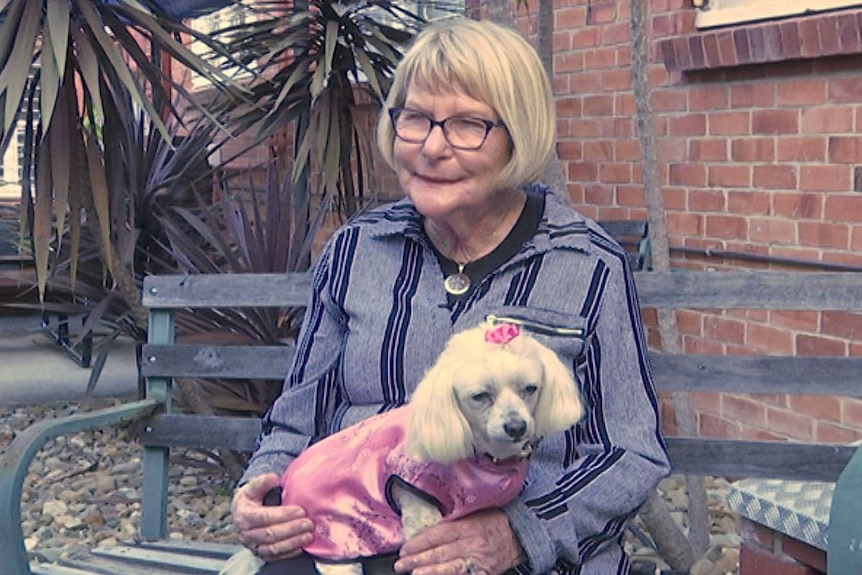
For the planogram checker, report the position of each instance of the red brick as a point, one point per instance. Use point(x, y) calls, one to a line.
point(756, 561)
point(687, 175)
point(845, 90)
point(775, 177)
point(798, 205)
point(600, 58)
point(808, 149)
point(708, 200)
point(687, 125)
point(825, 432)
point(790, 424)
point(810, 345)
point(598, 151)
point(851, 412)
point(771, 339)
point(843, 208)
point(668, 100)
point(707, 150)
point(798, 320)
point(818, 407)
point(631, 196)
point(729, 123)
point(749, 202)
point(583, 171)
point(599, 194)
point(841, 324)
point(729, 175)
point(845, 149)
point(752, 95)
point(710, 97)
point(598, 105)
point(570, 18)
point(830, 42)
point(725, 330)
point(627, 150)
point(684, 224)
point(823, 235)
point(753, 149)
point(569, 150)
point(801, 92)
point(615, 173)
point(755, 533)
point(838, 178)
point(809, 38)
point(726, 227)
point(775, 122)
point(825, 120)
point(743, 410)
point(712, 426)
point(804, 553)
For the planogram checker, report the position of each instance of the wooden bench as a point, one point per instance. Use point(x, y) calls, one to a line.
point(164, 428)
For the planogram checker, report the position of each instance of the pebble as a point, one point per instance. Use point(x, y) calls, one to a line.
point(83, 491)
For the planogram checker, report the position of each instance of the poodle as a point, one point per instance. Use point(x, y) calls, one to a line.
point(460, 445)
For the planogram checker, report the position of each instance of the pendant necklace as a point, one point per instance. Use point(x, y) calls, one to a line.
point(458, 283)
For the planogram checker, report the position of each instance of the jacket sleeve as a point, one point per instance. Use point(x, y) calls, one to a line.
point(571, 510)
point(309, 397)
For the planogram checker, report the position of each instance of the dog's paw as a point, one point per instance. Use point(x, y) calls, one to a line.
point(242, 562)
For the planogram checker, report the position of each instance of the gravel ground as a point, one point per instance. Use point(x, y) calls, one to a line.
point(84, 490)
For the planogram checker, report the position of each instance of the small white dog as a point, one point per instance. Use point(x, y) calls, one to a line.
point(460, 445)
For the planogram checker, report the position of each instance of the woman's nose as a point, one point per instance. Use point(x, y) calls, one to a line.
point(436, 143)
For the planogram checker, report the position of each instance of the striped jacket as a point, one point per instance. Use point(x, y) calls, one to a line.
point(378, 318)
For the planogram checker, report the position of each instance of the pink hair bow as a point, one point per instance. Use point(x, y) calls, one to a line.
point(503, 333)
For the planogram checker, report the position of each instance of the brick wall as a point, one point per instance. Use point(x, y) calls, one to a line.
point(758, 159)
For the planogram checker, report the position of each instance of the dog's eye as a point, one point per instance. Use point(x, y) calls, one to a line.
point(481, 397)
point(529, 390)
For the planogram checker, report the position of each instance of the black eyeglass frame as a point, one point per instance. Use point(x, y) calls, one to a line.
point(395, 111)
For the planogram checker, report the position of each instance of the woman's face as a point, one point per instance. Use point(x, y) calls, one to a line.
point(444, 182)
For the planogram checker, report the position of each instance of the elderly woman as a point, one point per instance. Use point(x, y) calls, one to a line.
point(468, 127)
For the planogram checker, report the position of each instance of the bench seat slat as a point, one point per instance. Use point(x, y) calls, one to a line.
point(761, 459)
point(230, 362)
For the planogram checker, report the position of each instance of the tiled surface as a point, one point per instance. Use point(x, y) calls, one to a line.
point(799, 509)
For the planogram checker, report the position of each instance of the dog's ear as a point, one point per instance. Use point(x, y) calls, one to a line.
point(438, 430)
point(559, 404)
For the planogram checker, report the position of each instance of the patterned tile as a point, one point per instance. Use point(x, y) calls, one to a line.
point(799, 509)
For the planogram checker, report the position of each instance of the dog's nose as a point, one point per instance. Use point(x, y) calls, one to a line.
point(516, 428)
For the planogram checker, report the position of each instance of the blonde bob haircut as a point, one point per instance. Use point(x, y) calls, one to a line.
point(494, 65)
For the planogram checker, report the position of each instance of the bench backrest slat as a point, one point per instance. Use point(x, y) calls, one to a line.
point(684, 372)
point(210, 361)
point(697, 290)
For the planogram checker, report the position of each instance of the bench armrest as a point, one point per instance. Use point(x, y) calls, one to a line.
point(15, 463)
point(844, 556)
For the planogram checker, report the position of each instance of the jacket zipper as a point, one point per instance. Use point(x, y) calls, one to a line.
point(536, 327)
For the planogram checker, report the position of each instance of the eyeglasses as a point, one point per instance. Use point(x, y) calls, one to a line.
point(461, 132)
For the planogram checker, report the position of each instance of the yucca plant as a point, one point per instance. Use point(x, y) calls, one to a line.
point(64, 65)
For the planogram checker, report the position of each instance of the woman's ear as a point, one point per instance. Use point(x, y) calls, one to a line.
point(559, 405)
point(438, 430)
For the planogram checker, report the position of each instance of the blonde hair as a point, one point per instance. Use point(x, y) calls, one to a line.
point(494, 65)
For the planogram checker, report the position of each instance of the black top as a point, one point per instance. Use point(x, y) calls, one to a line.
point(523, 230)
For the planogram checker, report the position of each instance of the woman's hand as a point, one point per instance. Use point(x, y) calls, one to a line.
point(272, 533)
point(479, 544)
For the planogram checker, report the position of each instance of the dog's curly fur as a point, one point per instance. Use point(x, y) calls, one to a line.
point(479, 397)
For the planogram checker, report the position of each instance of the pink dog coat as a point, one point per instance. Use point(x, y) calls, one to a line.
point(344, 483)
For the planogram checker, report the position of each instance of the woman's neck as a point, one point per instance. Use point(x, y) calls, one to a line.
point(472, 237)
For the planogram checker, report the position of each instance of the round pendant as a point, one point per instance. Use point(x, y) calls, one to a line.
point(457, 284)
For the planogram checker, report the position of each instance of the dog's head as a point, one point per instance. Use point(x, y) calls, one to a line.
point(494, 390)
